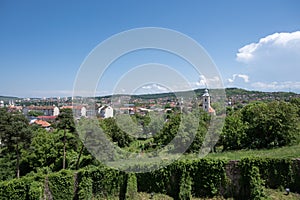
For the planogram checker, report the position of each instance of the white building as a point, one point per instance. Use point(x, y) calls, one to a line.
point(55, 111)
point(83, 111)
point(206, 103)
point(1, 104)
point(106, 111)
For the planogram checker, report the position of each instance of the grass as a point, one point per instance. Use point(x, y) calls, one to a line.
point(281, 195)
point(271, 195)
point(283, 152)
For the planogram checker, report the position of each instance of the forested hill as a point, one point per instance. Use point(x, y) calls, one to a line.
point(231, 93)
point(7, 98)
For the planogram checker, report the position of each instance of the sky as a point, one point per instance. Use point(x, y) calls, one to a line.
point(254, 44)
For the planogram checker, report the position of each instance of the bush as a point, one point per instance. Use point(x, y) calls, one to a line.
point(131, 189)
point(85, 188)
point(185, 187)
point(61, 185)
point(23, 188)
point(252, 186)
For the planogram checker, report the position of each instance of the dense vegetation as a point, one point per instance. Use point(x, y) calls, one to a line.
point(46, 160)
point(247, 179)
point(261, 125)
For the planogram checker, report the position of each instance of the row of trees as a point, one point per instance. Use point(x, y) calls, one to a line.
point(28, 148)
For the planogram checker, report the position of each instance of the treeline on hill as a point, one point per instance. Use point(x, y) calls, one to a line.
point(28, 149)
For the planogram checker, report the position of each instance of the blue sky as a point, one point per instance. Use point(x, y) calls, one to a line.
point(255, 44)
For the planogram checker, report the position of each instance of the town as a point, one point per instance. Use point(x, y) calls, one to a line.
point(43, 111)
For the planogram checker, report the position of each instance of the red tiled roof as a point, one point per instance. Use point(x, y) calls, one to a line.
point(46, 117)
point(72, 107)
point(42, 123)
point(40, 107)
point(211, 110)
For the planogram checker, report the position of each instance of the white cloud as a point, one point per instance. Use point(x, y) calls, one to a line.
point(276, 86)
point(284, 42)
point(151, 88)
point(211, 82)
point(154, 87)
point(202, 81)
point(272, 63)
point(242, 76)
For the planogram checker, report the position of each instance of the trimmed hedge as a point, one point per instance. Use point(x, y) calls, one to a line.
point(101, 182)
point(131, 183)
point(22, 189)
point(180, 180)
point(207, 175)
point(61, 185)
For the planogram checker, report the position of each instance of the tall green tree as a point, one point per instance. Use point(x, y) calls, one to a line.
point(15, 134)
point(116, 133)
point(233, 134)
point(65, 122)
point(42, 152)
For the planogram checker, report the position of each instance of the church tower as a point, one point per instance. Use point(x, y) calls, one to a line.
point(206, 101)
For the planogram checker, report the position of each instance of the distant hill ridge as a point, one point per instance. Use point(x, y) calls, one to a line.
point(229, 93)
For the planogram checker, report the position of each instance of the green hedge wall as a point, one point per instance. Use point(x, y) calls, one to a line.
point(180, 180)
point(22, 189)
point(208, 178)
point(101, 182)
point(61, 185)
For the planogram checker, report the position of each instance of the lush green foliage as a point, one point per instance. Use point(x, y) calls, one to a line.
point(185, 191)
point(180, 180)
point(85, 188)
point(37, 154)
point(15, 135)
point(61, 185)
point(25, 188)
point(252, 185)
point(131, 190)
point(35, 113)
point(261, 125)
point(117, 135)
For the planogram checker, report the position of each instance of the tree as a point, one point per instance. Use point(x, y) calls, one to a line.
point(35, 113)
point(86, 129)
point(117, 135)
point(155, 123)
point(233, 133)
point(42, 152)
point(272, 124)
point(15, 134)
point(65, 121)
point(169, 130)
point(296, 102)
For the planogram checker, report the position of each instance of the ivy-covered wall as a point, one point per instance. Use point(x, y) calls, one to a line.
point(245, 179)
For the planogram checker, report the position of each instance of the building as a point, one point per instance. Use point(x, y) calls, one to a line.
point(206, 103)
point(106, 112)
point(46, 110)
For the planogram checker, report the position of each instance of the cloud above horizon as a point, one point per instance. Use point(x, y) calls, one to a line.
point(269, 46)
point(242, 76)
point(273, 63)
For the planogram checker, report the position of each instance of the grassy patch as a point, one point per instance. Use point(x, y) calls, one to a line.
point(283, 152)
point(272, 195)
point(281, 195)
